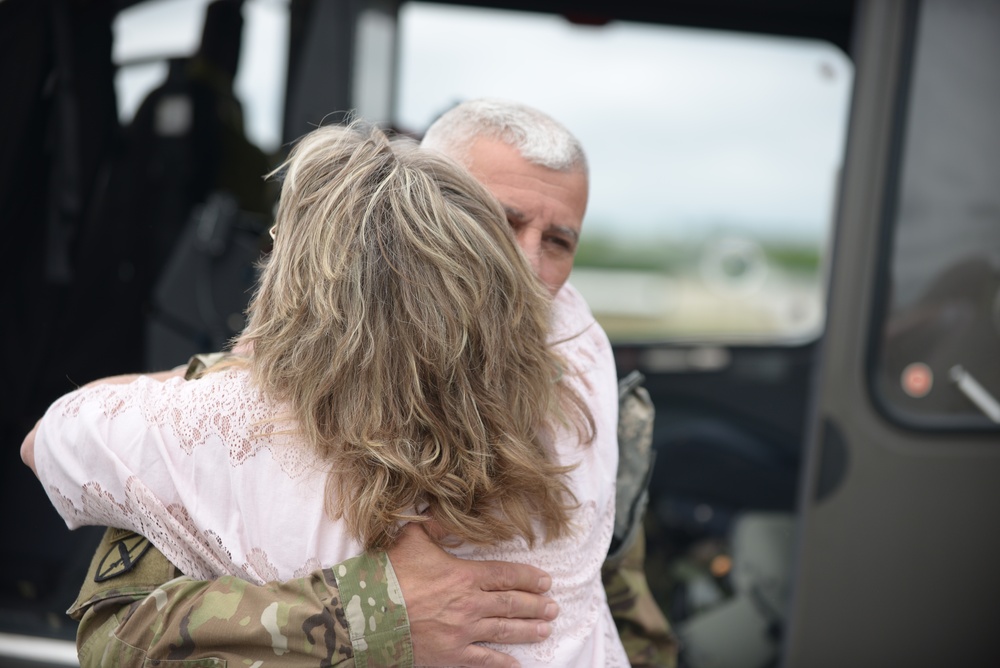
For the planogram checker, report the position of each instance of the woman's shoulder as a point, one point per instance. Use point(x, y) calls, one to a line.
point(577, 334)
point(569, 306)
point(573, 319)
point(226, 391)
point(158, 400)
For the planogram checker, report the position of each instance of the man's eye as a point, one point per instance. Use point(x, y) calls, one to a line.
point(562, 243)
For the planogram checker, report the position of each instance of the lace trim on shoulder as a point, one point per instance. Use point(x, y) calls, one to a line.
point(222, 405)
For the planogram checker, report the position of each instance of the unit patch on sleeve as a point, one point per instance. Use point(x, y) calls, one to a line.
point(122, 556)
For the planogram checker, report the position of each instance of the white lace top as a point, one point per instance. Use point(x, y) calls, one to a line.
point(206, 473)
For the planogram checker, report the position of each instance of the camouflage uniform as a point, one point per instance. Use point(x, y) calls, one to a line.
point(135, 606)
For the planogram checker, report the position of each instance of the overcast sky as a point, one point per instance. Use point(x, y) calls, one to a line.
point(685, 129)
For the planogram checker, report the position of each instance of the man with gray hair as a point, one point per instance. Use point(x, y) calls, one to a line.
point(538, 171)
point(533, 165)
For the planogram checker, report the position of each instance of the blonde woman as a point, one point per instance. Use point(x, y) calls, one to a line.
point(399, 366)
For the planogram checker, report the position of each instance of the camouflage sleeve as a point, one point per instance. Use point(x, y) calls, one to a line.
point(133, 609)
point(375, 613)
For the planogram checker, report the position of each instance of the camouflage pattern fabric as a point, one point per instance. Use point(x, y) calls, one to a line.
point(198, 364)
point(635, 463)
point(375, 613)
point(134, 611)
point(644, 630)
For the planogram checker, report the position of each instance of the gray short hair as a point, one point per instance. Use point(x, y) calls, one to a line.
point(539, 138)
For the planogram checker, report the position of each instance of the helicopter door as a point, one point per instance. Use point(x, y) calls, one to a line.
point(900, 496)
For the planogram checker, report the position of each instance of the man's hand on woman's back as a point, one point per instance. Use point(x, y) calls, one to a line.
point(454, 603)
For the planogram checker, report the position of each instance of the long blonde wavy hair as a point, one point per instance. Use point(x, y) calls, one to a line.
point(398, 319)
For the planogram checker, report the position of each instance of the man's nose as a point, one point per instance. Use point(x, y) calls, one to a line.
point(530, 242)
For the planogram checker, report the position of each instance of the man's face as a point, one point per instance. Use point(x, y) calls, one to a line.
point(545, 207)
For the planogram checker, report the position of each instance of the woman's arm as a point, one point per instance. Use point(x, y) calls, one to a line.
point(28, 449)
point(28, 444)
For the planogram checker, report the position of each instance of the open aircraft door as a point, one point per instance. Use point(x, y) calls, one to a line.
point(898, 561)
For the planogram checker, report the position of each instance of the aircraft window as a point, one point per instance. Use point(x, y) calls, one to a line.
point(714, 158)
point(937, 361)
point(148, 34)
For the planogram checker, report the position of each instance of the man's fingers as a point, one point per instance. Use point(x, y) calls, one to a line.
point(476, 655)
point(504, 576)
point(512, 631)
point(507, 631)
point(518, 605)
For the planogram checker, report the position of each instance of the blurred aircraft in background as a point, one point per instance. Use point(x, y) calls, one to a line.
point(794, 234)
